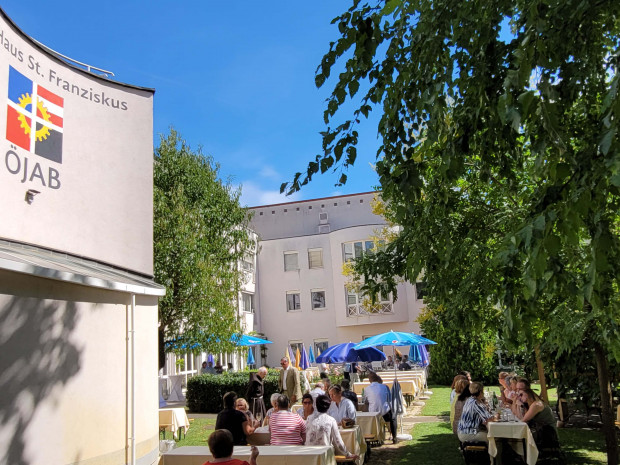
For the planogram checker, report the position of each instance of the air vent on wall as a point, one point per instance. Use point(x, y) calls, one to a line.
point(324, 229)
point(323, 218)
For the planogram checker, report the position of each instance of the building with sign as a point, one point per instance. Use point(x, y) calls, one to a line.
point(78, 371)
point(302, 296)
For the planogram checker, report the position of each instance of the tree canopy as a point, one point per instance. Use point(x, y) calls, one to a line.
point(499, 158)
point(200, 235)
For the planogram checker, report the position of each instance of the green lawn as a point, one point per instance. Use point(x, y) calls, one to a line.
point(198, 432)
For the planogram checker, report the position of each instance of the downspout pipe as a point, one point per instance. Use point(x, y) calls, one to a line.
point(133, 380)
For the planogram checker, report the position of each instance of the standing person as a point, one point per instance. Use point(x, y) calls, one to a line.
point(289, 382)
point(221, 446)
point(286, 427)
point(255, 392)
point(378, 398)
point(233, 420)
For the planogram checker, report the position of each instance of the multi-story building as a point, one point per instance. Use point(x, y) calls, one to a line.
point(302, 296)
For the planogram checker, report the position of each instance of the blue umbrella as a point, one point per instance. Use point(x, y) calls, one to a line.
point(245, 340)
point(347, 353)
point(419, 355)
point(304, 363)
point(251, 360)
point(392, 338)
point(210, 358)
point(311, 355)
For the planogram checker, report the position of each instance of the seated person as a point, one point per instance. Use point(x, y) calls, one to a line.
point(462, 393)
point(286, 428)
point(539, 417)
point(221, 446)
point(242, 405)
point(233, 420)
point(319, 390)
point(307, 406)
point(323, 429)
point(341, 407)
point(389, 363)
point(518, 407)
point(475, 416)
point(325, 380)
point(404, 365)
point(346, 392)
point(273, 399)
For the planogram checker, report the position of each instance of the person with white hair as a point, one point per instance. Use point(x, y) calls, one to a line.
point(255, 392)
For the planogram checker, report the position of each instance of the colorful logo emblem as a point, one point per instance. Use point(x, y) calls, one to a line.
point(34, 117)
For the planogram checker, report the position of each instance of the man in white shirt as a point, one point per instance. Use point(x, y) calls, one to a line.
point(288, 383)
point(341, 407)
point(378, 398)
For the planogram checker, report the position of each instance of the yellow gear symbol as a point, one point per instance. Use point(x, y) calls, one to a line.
point(42, 133)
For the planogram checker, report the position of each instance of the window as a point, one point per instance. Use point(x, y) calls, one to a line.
point(319, 346)
point(295, 345)
point(247, 302)
point(293, 302)
point(352, 250)
point(318, 298)
point(420, 290)
point(358, 305)
point(315, 258)
point(323, 218)
point(248, 268)
point(291, 262)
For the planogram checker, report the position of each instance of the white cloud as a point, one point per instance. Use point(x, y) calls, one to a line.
point(269, 172)
point(253, 195)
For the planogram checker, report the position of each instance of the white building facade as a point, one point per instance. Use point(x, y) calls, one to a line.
point(302, 296)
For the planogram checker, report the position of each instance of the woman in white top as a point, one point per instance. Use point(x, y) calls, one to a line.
point(322, 429)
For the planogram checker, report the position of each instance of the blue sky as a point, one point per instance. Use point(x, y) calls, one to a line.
point(236, 78)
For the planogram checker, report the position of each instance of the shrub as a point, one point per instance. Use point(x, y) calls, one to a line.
point(204, 392)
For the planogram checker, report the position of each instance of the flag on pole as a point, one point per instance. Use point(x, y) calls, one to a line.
point(311, 357)
point(287, 355)
point(297, 358)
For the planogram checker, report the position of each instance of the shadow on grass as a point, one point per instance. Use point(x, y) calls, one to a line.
point(583, 445)
point(432, 443)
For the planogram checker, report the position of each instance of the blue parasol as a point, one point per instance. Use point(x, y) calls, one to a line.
point(245, 340)
point(311, 355)
point(419, 355)
point(210, 358)
point(392, 338)
point(251, 360)
point(304, 363)
point(347, 353)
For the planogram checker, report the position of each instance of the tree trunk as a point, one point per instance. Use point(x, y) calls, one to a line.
point(602, 369)
point(161, 347)
point(541, 375)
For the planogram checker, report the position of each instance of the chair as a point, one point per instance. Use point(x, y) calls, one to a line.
point(548, 443)
point(344, 459)
point(475, 452)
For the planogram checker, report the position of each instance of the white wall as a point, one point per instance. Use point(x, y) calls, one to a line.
point(295, 227)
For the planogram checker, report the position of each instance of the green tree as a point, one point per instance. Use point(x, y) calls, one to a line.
point(200, 235)
point(499, 158)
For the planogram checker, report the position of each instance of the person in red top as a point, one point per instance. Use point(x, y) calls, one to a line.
point(221, 445)
point(287, 428)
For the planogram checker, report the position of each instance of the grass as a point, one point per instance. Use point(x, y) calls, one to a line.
point(198, 432)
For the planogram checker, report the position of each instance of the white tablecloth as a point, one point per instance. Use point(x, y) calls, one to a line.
point(371, 424)
point(268, 455)
point(176, 417)
point(354, 441)
point(512, 430)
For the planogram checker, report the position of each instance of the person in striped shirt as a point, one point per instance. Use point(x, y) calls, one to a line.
point(475, 416)
point(286, 427)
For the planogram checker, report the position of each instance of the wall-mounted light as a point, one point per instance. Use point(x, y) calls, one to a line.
point(30, 193)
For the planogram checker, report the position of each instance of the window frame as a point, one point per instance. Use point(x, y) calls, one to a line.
point(292, 293)
point(316, 291)
point(314, 250)
point(291, 253)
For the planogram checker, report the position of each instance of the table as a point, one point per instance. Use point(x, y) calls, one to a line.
point(407, 387)
point(173, 419)
point(371, 424)
point(268, 455)
point(353, 439)
point(512, 430)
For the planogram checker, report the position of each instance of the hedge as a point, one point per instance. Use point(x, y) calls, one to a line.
point(204, 392)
